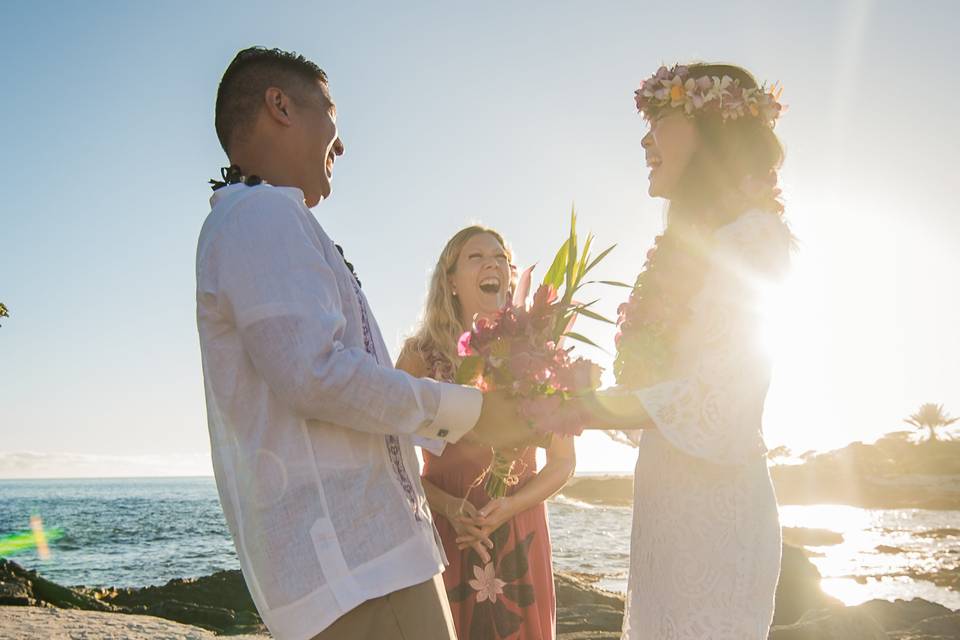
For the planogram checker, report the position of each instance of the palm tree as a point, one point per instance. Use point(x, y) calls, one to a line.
point(930, 417)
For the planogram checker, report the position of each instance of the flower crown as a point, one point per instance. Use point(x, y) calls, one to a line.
point(675, 88)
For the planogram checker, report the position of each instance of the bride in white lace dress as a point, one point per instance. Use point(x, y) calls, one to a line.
point(705, 551)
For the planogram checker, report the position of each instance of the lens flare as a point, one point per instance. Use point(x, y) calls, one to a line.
point(37, 538)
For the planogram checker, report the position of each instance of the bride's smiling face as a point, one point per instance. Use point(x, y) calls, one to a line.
point(481, 278)
point(668, 147)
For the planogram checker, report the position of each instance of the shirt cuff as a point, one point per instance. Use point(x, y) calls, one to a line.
point(434, 446)
point(457, 413)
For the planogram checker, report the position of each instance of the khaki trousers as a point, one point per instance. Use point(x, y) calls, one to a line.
point(420, 612)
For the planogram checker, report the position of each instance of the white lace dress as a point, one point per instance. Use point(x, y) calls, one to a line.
point(705, 549)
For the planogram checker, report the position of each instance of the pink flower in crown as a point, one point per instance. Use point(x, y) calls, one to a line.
point(463, 345)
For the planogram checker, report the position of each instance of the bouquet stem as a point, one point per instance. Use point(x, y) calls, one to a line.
point(500, 476)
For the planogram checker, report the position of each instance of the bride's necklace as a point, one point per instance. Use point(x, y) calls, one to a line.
point(658, 306)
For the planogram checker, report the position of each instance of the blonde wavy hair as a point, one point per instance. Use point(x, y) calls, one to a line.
point(440, 328)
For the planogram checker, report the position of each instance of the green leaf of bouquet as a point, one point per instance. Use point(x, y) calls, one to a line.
point(584, 258)
point(586, 305)
point(615, 283)
point(596, 261)
point(594, 315)
point(554, 275)
point(584, 339)
point(571, 255)
point(469, 370)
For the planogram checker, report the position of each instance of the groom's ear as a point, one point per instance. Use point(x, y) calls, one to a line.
point(277, 105)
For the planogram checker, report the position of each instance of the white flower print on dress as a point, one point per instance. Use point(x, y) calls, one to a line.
point(487, 585)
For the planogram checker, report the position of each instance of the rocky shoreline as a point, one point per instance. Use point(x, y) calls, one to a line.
point(892, 473)
point(220, 604)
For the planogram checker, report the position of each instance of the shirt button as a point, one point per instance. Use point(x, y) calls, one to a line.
point(443, 433)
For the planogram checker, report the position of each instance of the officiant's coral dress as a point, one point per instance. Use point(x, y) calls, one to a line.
point(512, 597)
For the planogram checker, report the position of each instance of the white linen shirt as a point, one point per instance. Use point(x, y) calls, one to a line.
point(310, 425)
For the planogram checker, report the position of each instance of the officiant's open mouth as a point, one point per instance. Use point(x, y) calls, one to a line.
point(490, 285)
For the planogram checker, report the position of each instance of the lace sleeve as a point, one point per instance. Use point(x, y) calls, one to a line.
point(713, 408)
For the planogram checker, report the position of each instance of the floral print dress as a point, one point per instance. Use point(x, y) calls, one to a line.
point(512, 596)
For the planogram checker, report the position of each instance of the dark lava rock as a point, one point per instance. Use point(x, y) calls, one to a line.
point(585, 612)
point(901, 615)
point(799, 588)
point(947, 627)
point(219, 602)
point(885, 548)
point(831, 624)
point(18, 586)
point(947, 532)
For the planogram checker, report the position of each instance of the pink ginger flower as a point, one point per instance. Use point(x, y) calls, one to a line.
point(543, 298)
point(463, 345)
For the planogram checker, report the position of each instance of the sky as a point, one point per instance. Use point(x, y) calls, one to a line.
point(500, 113)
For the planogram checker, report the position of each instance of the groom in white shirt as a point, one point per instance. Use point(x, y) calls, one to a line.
point(310, 425)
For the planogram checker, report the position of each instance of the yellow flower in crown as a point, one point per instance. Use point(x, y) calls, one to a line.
point(674, 88)
point(677, 93)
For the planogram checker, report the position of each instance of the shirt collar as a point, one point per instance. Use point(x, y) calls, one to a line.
point(294, 193)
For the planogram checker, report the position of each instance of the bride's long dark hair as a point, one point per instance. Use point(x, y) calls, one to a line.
point(729, 153)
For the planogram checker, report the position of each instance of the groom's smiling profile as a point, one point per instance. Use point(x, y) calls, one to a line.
point(311, 427)
point(275, 116)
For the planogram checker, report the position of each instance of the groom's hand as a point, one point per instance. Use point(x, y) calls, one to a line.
point(500, 426)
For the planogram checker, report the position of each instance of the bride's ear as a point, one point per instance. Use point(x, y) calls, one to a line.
point(277, 105)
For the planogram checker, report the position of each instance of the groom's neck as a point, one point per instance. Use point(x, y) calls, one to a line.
point(269, 164)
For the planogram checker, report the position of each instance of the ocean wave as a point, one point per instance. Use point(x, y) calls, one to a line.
point(570, 502)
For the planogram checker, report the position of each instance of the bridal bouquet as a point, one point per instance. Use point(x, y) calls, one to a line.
point(521, 351)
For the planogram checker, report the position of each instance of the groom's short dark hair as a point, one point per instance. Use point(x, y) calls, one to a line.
point(252, 72)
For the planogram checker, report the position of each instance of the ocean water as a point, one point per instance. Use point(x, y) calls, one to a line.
point(137, 532)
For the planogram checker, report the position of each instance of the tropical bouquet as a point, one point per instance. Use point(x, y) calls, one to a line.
point(521, 351)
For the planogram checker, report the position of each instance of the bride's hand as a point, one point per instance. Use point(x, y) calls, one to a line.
point(464, 517)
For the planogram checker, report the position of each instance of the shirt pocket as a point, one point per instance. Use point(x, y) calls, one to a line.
point(338, 447)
